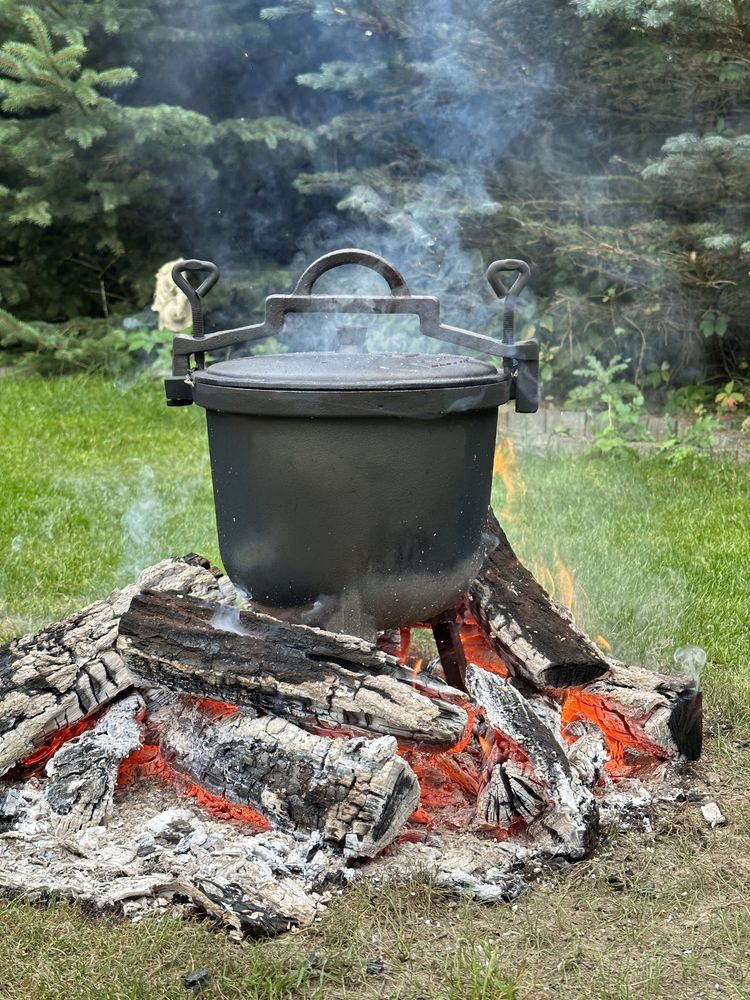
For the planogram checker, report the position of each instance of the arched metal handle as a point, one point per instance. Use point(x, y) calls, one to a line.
point(195, 294)
point(338, 258)
point(497, 267)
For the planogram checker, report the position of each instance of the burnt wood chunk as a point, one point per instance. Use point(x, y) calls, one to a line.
point(357, 793)
point(82, 775)
point(52, 678)
point(534, 634)
point(659, 714)
point(318, 679)
point(264, 905)
point(530, 778)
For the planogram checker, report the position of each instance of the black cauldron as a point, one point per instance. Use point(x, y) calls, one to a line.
point(352, 487)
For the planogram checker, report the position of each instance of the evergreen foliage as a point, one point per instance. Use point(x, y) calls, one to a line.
point(607, 141)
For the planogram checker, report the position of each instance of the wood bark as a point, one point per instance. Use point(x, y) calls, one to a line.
point(82, 775)
point(318, 679)
point(530, 778)
point(534, 634)
point(357, 793)
point(54, 677)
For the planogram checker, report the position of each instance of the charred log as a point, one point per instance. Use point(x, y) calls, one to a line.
point(83, 773)
point(318, 679)
point(357, 793)
point(272, 906)
point(657, 714)
point(54, 677)
point(534, 635)
point(531, 779)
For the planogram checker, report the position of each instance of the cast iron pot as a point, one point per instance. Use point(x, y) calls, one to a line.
point(355, 485)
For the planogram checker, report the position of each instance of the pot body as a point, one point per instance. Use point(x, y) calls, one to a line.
point(376, 519)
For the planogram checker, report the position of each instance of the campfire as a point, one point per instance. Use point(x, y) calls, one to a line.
point(167, 744)
point(184, 744)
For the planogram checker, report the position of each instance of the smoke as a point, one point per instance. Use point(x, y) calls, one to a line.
point(141, 520)
point(690, 661)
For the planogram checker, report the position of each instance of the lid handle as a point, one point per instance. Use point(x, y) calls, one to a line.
point(350, 255)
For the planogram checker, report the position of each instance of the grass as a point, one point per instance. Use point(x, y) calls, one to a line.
point(100, 480)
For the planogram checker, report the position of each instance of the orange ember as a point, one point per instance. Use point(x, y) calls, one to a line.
point(477, 650)
point(619, 732)
point(146, 761)
point(212, 708)
point(447, 786)
point(36, 760)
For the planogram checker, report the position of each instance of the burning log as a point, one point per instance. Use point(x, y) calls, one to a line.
point(83, 773)
point(652, 713)
point(318, 679)
point(53, 678)
point(531, 779)
point(534, 634)
point(358, 793)
point(539, 642)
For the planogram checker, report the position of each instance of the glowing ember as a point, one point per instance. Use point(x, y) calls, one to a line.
point(477, 650)
point(619, 732)
point(37, 760)
point(147, 761)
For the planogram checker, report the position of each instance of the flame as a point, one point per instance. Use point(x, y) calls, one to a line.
point(147, 761)
point(565, 583)
point(558, 581)
point(416, 670)
point(505, 465)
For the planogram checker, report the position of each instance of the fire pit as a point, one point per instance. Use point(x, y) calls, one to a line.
point(310, 514)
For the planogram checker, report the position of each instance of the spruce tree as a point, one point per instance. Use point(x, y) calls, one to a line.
point(96, 192)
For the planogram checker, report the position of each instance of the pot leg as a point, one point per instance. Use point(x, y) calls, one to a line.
point(450, 650)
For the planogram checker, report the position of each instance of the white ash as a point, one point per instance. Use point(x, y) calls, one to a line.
point(159, 843)
point(713, 815)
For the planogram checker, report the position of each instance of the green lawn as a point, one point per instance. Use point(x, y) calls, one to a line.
point(100, 480)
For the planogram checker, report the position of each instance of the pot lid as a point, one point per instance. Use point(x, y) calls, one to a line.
point(318, 371)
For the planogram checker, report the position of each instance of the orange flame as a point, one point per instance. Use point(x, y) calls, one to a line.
point(505, 465)
point(565, 585)
point(558, 581)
